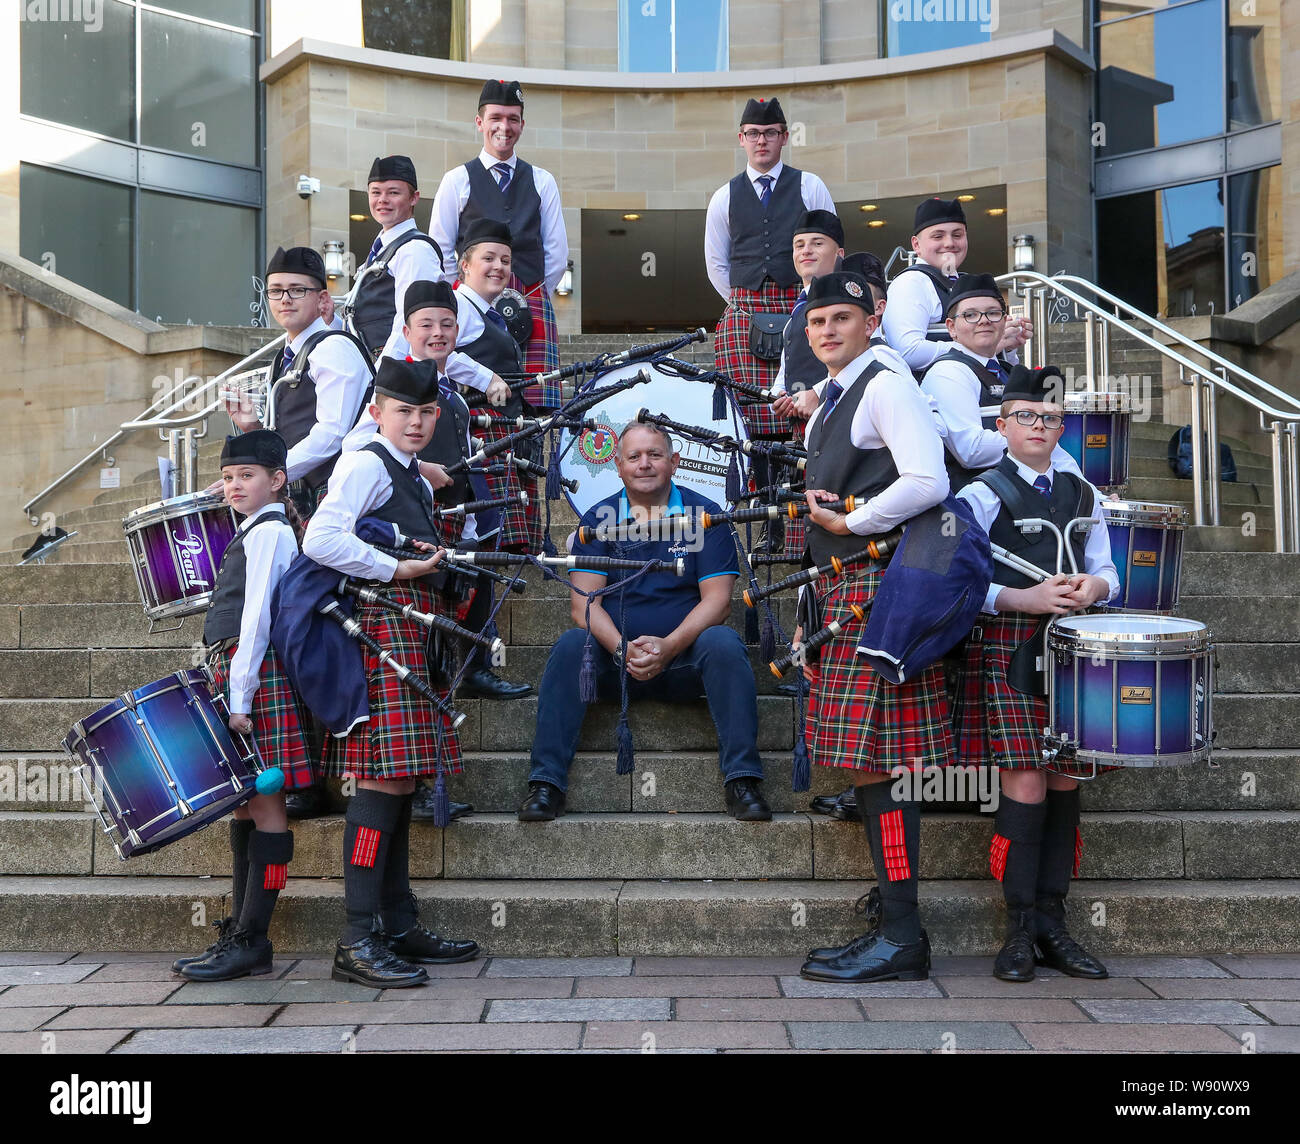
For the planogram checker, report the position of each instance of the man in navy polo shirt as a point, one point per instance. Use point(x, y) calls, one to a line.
point(677, 638)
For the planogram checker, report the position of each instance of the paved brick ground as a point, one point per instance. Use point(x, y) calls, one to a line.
point(131, 1003)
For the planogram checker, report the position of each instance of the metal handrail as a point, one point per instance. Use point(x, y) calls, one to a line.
point(1220, 361)
point(1207, 384)
point(144, 421)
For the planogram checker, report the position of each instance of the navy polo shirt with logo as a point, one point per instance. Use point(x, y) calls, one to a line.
point(659, 601)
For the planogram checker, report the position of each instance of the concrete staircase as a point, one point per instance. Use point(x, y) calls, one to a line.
point(1199, 857)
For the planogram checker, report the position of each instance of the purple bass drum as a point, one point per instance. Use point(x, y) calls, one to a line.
point(176, 548)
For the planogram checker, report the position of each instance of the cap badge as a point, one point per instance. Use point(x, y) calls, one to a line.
point(853, 289)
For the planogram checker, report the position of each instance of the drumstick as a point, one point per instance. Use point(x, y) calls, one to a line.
point(426, 619)
point(818, 639)
point(405, 674)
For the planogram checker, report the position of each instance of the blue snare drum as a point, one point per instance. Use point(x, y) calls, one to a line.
point(1129, 691)
point(165, 762)
point(1146, 543)
point(1096, 436)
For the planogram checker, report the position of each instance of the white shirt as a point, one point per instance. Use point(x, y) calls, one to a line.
point(717, 221)
point(954, 393)
point(986, 505)
point(453, 194)
point(359, 483)
point(268, 552)
point(341, 375)
point(415, 262)
point(892, 414)
point(462, 368)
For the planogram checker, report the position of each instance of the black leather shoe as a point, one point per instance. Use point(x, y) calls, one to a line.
point(370, 962)
point(418, 946)
point(544, 803)
point(1015, 960)
point(867, 907)
point(223, 927)
point(823, 803)
point(307, 803)
point(483, 684)
point(873, 957)
point(422, 805)
point(846, 806)
point(237, 954)
point(1058, 950)
point(745, 801)
point(791, 689)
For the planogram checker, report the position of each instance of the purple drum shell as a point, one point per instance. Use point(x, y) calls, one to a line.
point(178, 556)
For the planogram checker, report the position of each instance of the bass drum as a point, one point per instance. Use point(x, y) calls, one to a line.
point(589, 459)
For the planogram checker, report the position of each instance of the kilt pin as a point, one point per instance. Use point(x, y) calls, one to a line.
point(278, 725)
point(404, 735)
point(856, 718)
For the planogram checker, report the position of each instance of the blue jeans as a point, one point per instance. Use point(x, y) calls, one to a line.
point(716, 661)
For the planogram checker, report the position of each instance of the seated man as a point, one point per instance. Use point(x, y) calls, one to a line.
point(677, 640)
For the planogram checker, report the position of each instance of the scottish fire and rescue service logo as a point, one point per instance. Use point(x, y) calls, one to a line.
point(596, 447)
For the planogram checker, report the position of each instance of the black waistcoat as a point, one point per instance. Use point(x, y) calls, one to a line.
point(295, 399)
point(405, 508)
point(991, 388)
point(375, 305)
point(520, 208)
point(498, 351)
point(1071, 497)
point(836, 464)
point(448, 447)
point(225, 613)
point(761, 236)
point(802, 368)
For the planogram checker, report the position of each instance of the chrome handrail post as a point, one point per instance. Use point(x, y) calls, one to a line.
point(1198, 457)
point(1293, 488)
point(1212, 458)
point(1281, 515)
point(1090, 349)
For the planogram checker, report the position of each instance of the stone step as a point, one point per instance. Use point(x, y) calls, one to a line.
point(1242, 620)
point(1249, 668)
point(1147, 461)
point(1171, 490)
point(1165, 844)
point(651, 918)
point(1252, 574)
point(1148, 431)
point(1227, 538)
point(42, 724)
point(1257, 722)
point(74, 552)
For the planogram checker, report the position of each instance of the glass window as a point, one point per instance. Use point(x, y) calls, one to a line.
point(196, 260)
point(1254, 232)
point(923, 26)
point(79, 72)
point(672, 35)
point(1161, 77)
point(238, 13)
point(77, 227)
point(434, 28)
point(1254, 64)
point(198, 90)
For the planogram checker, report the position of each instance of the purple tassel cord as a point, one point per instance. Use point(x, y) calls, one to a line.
point(734, 487)
point(719, 401)
point(626, 756)
point(751, 628)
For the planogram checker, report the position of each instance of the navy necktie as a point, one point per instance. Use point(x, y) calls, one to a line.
point(286, 362)
point(833, 392)
point(493, 315)
point(425, 499)
point(799, 303)
point(995, 368)
point(504, 174)
point(766, 196)
point(1043, 484)
point(375, 248)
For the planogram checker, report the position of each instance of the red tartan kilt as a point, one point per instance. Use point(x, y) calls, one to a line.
point(542, 353)
point(404, 736)
point(521, 526)
point(993, 723)
point(858, 719)
point(277, 719)
point(731, 353)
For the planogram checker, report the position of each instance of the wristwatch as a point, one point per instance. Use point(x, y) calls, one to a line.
point(617, 653)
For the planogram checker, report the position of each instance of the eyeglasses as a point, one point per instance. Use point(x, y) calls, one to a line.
point(753, 135)
point(1028, 418)
point(975, 317)
point(275, 293)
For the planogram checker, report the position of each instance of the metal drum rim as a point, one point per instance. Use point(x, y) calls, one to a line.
point(1090, 402)
point(1147, 513)
point(189, 606)
point(171, 508)
point(1150, 762)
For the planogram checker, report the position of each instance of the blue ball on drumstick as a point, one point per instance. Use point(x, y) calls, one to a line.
point(270, 780)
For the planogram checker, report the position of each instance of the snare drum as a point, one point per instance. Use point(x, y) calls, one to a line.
point(1096, 436)
point(176, 548)
point(590, 459)
point(1130, 691)
point(1146, 543)
point(164, 761)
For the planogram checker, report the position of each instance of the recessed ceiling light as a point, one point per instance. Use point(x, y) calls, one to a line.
point(965, 198)
point(358, 217)
point(996, 211)
point(631, 217)
point(868, 207)
point(876, 222)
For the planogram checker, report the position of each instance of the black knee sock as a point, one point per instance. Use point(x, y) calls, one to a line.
point(367, 835)
point(893, 830)
point(269, 856)
point(480, 607)
point(1014, 852)
point(240, 831)
point(1061, 844)
point(396, 901)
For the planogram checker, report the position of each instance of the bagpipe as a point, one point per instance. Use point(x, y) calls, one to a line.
point(781, 453)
